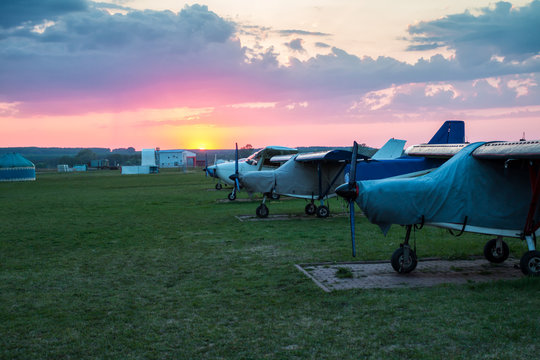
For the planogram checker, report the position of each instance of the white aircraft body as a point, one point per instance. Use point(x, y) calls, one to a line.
point(228, 171)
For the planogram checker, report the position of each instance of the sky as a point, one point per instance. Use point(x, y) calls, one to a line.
point(207, 74)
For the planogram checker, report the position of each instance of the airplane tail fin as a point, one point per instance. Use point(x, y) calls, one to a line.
point(452, 132)
point(391, 150)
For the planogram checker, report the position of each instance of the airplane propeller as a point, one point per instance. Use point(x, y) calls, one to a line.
point(206, 164)
point(349, 192)
point(235, 175)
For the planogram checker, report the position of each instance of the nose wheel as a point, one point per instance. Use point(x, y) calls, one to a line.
point(496, 251)
point(404, 259)
point(262, 211)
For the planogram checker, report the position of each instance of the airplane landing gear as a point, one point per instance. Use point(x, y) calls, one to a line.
point(530, 263)
point(219, 186)
point(310, 208)
point(322, 211)
point(404, 259)
point(262, 211)
point(496, 250)
point(232, 196)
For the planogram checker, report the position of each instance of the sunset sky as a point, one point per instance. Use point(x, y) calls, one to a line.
point(176, 74)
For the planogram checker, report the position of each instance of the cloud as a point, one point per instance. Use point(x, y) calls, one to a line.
point(296, 45)
point(95, 60)
point(94, 56)
point(322, 45)
point(15, 13)
point(505, 31)
point(301, 32)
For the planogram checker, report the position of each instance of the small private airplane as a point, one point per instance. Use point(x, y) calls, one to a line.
point(315, 176)
point(228, 171)
point(488, 188)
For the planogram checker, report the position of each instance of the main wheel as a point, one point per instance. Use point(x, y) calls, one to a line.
point(274, 196)
point(219, 186)
point(494, 255)
point(322, 211)
point(232, 196)
point(530, 263)
point(310, 209)
point(262, 211)
point(400, 265)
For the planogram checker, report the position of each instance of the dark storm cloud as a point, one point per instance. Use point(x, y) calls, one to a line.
point(16, 12)
point(502, 31)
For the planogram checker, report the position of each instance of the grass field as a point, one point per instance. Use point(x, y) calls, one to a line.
point(99, 265)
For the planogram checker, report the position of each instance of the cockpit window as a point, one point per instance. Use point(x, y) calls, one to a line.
point(253, 159)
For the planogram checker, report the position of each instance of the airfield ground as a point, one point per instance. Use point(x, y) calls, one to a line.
point(99, 265)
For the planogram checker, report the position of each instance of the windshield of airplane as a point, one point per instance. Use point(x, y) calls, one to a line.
point(253, 159)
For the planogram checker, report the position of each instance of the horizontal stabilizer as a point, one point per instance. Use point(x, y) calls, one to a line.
point(391, 150)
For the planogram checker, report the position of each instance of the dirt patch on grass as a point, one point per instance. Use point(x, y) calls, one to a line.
point(429, 272)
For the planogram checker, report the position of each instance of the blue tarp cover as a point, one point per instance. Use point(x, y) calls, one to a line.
point(481, 190)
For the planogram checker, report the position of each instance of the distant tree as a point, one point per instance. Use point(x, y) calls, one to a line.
point(247, 147)
point(66, 160)
point(85, 156)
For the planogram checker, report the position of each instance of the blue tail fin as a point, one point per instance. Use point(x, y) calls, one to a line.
point(452, 132)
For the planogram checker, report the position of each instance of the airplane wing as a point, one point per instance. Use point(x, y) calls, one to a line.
point(281, 158)
point(328, 156)
point(442, 151)
point(528, 150)
point(271, 151)
point(491, 150)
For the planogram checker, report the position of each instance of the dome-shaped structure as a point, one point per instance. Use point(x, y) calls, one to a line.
point(14, 167)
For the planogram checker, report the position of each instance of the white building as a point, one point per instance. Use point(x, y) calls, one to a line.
point(148, 157)
point(176, 158)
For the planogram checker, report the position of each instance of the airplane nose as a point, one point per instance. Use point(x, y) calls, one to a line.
point(349, 191)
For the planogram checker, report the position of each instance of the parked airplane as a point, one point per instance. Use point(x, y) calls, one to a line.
point(488, 188)
point(228, 171)
point(311, 176)
point(314, 175)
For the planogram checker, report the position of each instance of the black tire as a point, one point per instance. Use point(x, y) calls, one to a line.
point(310, 209)
point(530, 263)
point(323, 212)
point(219, 186)
point(262, 211)
point(231, 196)
point(493, 255)
point(274, 196)
point(397, 261)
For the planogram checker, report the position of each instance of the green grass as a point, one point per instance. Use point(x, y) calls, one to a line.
point(98, 265)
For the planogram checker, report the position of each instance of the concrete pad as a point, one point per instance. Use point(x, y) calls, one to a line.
point(429, 272)
point(243, 218)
